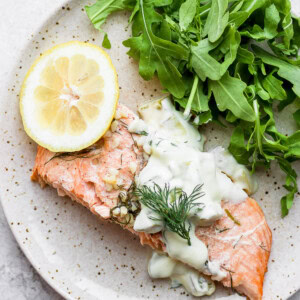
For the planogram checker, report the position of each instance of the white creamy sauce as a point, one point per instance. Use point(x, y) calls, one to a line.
point(195, 255)
point(148, 221)
point(238, 173)
point(162, 266)
point(177, 159)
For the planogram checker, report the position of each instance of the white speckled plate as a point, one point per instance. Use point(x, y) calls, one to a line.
point(76, 254)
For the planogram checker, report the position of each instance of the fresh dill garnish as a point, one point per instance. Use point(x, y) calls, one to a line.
point(235, 221)
point(173, 205)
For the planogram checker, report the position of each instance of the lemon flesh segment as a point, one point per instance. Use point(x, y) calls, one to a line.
point(69, 97)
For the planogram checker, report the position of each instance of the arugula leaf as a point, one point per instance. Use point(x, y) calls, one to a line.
point(155, 54)
point(99, 11)
point(271, 21)
point(217, 20)
point(245, 56)
point(200, 51)
point(200, 102)
point(286, 70)
point(203, 63)
point(229, 94)
point(284, 7)
point(106, 42)
point(160, 3)
point(250, 6)
point(235, 7)
point(134, 11)
point(293, 144)
point(238, 18)
point(229, 47)
point(296, 116)
point(203, 118)
point(261, 92)
point(197, 100)
point(237, 146)
point(187, 13)
point(274, 87)
point(290, 185)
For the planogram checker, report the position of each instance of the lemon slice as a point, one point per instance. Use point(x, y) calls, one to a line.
point(69, 97)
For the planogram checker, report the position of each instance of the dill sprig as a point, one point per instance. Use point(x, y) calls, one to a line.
point(173, 205)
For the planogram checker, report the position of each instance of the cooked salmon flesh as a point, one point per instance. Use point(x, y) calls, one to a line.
point(102, 176)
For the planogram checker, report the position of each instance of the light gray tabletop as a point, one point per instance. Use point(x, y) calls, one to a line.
point(18, 279)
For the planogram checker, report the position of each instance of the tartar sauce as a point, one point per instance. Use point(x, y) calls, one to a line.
point(162, 266)
point(176, 158)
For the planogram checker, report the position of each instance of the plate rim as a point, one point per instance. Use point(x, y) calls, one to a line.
point(31, 260)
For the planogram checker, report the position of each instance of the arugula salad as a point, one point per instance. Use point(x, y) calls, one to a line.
point(210, 56)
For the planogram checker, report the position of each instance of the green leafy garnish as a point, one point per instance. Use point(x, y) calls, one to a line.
point(172, 205)
point(106, 42)
point(296, 116)
point(187, 13)
point(207, 54)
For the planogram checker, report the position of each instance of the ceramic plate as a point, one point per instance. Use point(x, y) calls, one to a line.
point(78, 255)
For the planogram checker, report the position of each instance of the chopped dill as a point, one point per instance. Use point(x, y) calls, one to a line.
point(230, 275)
point(133, 140)
point(231, 282)
point(123, 123)
point(85, 153)
point(158, 142)
point(174, 213)
point(143, 132)
point(220, 230)
point(262, 246)
point(237, 241)
point(235, 221)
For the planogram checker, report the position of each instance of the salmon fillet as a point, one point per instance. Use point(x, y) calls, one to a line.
point(242, 247)
point(88, 177)
point(97, 178)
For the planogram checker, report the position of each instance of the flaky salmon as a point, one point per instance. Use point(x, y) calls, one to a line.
point(102, 176)
point(241, 245)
